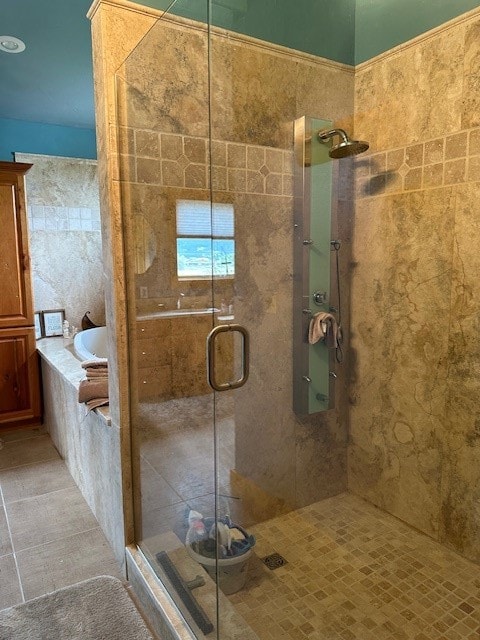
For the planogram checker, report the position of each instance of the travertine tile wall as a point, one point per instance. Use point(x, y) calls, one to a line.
point(166, 125)
point(415, 443)
point(63, 210)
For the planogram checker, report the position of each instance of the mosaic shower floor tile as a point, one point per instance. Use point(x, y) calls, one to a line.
point(354, 572)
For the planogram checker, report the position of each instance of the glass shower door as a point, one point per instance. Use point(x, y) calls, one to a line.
point(220, 460)
point(178, 242)
point(252, 170)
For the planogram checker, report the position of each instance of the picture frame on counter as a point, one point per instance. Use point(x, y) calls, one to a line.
point(52, 321)
point(37, 318)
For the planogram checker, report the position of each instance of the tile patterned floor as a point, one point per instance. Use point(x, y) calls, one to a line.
point(357, 573)
point(49, 538)
point(353, 572)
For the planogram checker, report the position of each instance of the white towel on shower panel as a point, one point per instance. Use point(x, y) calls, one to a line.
point(323, 326)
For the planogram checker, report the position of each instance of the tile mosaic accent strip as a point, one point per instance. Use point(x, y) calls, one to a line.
point(454, 159)
point(46, 218)
point(182, 161)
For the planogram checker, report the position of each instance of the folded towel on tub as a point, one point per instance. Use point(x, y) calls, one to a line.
point(92, 390)
point(96, 374)
point(99, 363)
point(98, 402)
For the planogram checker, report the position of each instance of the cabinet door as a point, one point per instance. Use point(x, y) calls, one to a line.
point(19, 383)
point(16, 296)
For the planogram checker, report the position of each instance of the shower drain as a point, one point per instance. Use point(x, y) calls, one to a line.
point(274, 560)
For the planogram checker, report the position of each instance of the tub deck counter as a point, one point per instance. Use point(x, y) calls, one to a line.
point(89, 442)
point(63, 360)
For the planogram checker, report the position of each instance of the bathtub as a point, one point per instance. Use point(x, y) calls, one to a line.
point(91, 344)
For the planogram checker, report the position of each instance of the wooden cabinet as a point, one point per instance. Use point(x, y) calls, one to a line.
point(19, 372)
point(19, 384)
point(16, 290)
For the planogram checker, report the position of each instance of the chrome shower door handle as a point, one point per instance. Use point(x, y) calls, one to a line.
point(212, 381)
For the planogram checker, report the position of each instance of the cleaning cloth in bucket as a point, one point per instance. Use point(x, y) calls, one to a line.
point(208, 537)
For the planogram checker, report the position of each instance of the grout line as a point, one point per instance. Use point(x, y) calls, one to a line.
point(71, 535)
point(32, 437)
point(22, 593)
point(164, 479)
point(48, 493)
point(30, 464)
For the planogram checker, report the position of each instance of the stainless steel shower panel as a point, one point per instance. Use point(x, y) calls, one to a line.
point(313, 387)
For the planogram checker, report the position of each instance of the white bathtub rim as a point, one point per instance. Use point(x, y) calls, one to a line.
point(84, 340)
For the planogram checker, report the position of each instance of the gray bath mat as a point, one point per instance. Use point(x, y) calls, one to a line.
point(97, 609)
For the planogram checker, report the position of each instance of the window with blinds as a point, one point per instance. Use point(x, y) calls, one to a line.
point(205, 239)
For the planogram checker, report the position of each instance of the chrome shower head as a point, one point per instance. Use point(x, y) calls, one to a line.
point(346, 147)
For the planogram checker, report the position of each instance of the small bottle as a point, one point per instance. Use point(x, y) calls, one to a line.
point(67, 338)
point(66, 329)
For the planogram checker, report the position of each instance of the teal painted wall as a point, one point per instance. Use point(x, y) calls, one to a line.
point(322, 27)
point(349, 31)
point(48, 139)
point(383, 24)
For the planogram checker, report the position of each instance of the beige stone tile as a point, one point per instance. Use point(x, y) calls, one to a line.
point(147, 143)
point(455, 171)
point(392, 289)
point(395, 159)
point(237, 179)
point(288, 185)
point(456, 146)
point(474, 142)
point(155, 490)
point(10, 590)
point(255, 158)
point(473, 169)
point(460, 525)
point(413, 179)
point(58, 564)
point(49, 517)
point(196, 176)
point(236, 156)
point(219, 178)
point(168, 106)
point(414, 155)
point(255, 182)
point(433, 175)
point(434, 151)
point(470, 104)
point(172, 147)
point(274, 184)
point(274, 160)
point(165, 519)
point(195, 149)
point(34, 479)
point(172, 174)
point(5, 542)
point(148, 170)
point(219, 153)
point(15, 453)
point(378, 163)
point(22, 434)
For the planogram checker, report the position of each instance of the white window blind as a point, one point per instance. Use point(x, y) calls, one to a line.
point(199, 218)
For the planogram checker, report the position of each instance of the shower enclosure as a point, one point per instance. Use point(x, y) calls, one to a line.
point(207, 170)
point(208, 181)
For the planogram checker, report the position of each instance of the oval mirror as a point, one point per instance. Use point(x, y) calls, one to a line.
point(145, 244)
